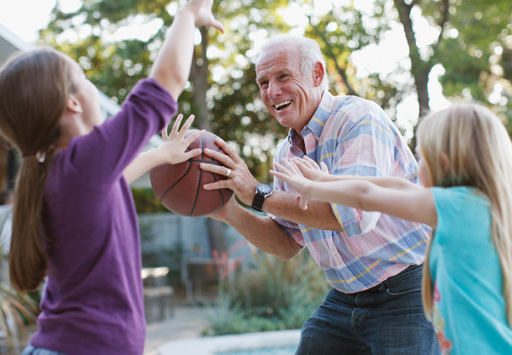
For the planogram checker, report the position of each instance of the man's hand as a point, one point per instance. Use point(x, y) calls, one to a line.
point(239, 180)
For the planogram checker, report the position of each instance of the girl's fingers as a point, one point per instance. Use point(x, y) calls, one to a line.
point(301, 163)
point(194, 136)
point(282, 168)
point(187, 124)
point(293, 168)
point(176, 125)
point(216, 24)
point(310, 163)
point(165, 135)
point(193, 153)
point(279, 175)
point(324, 167)
point(303, 203)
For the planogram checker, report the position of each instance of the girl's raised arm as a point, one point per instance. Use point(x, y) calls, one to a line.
point(172, 66)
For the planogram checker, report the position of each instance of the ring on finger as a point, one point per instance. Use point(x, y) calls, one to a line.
point(228, 172)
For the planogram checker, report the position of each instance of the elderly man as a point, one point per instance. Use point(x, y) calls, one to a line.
point(371, 260)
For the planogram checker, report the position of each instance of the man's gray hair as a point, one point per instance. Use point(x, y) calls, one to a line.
point(310, 50)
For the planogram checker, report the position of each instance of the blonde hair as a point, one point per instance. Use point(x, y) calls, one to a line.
point(479, 151)
point(34, 87)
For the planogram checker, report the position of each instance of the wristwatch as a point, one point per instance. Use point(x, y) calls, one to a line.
point(262, 192)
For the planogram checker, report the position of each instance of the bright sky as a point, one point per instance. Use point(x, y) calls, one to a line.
point(26, 17)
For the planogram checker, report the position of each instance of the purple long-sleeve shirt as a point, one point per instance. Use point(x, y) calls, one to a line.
point(93, 301)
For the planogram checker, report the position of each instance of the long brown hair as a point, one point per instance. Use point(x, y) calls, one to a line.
point(479, 151)
point(34, 87)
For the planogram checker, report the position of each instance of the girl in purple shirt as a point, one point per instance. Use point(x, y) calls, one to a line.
point(74, 219)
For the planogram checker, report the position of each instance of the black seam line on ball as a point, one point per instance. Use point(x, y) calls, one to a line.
point(177, 181)
point(205, 161)
point(197, 193)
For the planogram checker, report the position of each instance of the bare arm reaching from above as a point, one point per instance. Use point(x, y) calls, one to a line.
point(172, 66)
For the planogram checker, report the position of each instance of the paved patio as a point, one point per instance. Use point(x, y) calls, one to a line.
point(187, 323)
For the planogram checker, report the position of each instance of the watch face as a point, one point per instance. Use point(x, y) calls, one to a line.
point(264, 189)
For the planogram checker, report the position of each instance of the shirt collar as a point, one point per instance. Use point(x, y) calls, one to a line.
point(317, 123)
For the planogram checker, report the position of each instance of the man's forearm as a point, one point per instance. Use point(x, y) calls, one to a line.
point(319, 214)
point(263, 233)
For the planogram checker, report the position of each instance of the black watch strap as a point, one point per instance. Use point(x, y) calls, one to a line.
point(261, 192)
point(257, 203)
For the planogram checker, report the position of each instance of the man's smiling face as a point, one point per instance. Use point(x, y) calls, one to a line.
point(289, 95)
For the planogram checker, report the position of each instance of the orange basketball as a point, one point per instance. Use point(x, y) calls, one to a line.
point(179, 187)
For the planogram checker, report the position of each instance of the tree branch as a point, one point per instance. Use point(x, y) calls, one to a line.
point(341, 71)
point(445, 7)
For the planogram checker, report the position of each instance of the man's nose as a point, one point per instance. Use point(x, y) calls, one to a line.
point(274, 89)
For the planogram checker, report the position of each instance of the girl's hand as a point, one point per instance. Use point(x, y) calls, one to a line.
point(173, 149)
point(202, 10)
point(292, 175)
point(310, 169)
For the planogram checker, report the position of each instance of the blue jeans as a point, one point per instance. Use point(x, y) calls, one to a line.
point(387, 319)
point(30, 350)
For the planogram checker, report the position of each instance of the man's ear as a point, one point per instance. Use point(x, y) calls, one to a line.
point(318, 73)
point(74, 104)
point(445, 163)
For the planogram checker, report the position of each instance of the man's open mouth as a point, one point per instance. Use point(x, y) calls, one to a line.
point(282, 105)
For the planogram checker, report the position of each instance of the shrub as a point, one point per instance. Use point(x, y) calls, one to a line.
point(271, 294)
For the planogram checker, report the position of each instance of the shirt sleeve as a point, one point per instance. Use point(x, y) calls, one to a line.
point(366, 148)
point(290, 228)
point(102, 155)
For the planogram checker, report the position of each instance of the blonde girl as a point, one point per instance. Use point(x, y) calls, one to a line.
point(465, 165)
point(74, 219)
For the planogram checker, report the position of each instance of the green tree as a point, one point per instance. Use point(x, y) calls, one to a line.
point(227, 104)
point(471, 41)
point(340, 32)
point(477, 55)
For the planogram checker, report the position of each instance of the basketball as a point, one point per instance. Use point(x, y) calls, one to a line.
point(179, 187)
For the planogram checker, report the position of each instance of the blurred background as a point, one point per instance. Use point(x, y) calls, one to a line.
point(410, 57)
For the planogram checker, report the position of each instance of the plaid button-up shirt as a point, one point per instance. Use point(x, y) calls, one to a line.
point(353, 136)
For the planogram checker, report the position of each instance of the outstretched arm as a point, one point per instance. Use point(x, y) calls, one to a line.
point(392, 196)
point(310, 169)
point(172, 150)
point(172, 66)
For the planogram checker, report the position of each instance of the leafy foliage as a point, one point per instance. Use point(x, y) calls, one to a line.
point(16, 312)
point(476, 54)
point(472, 45)
point(272, 295)
point(146, 201)
point(226, 105)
